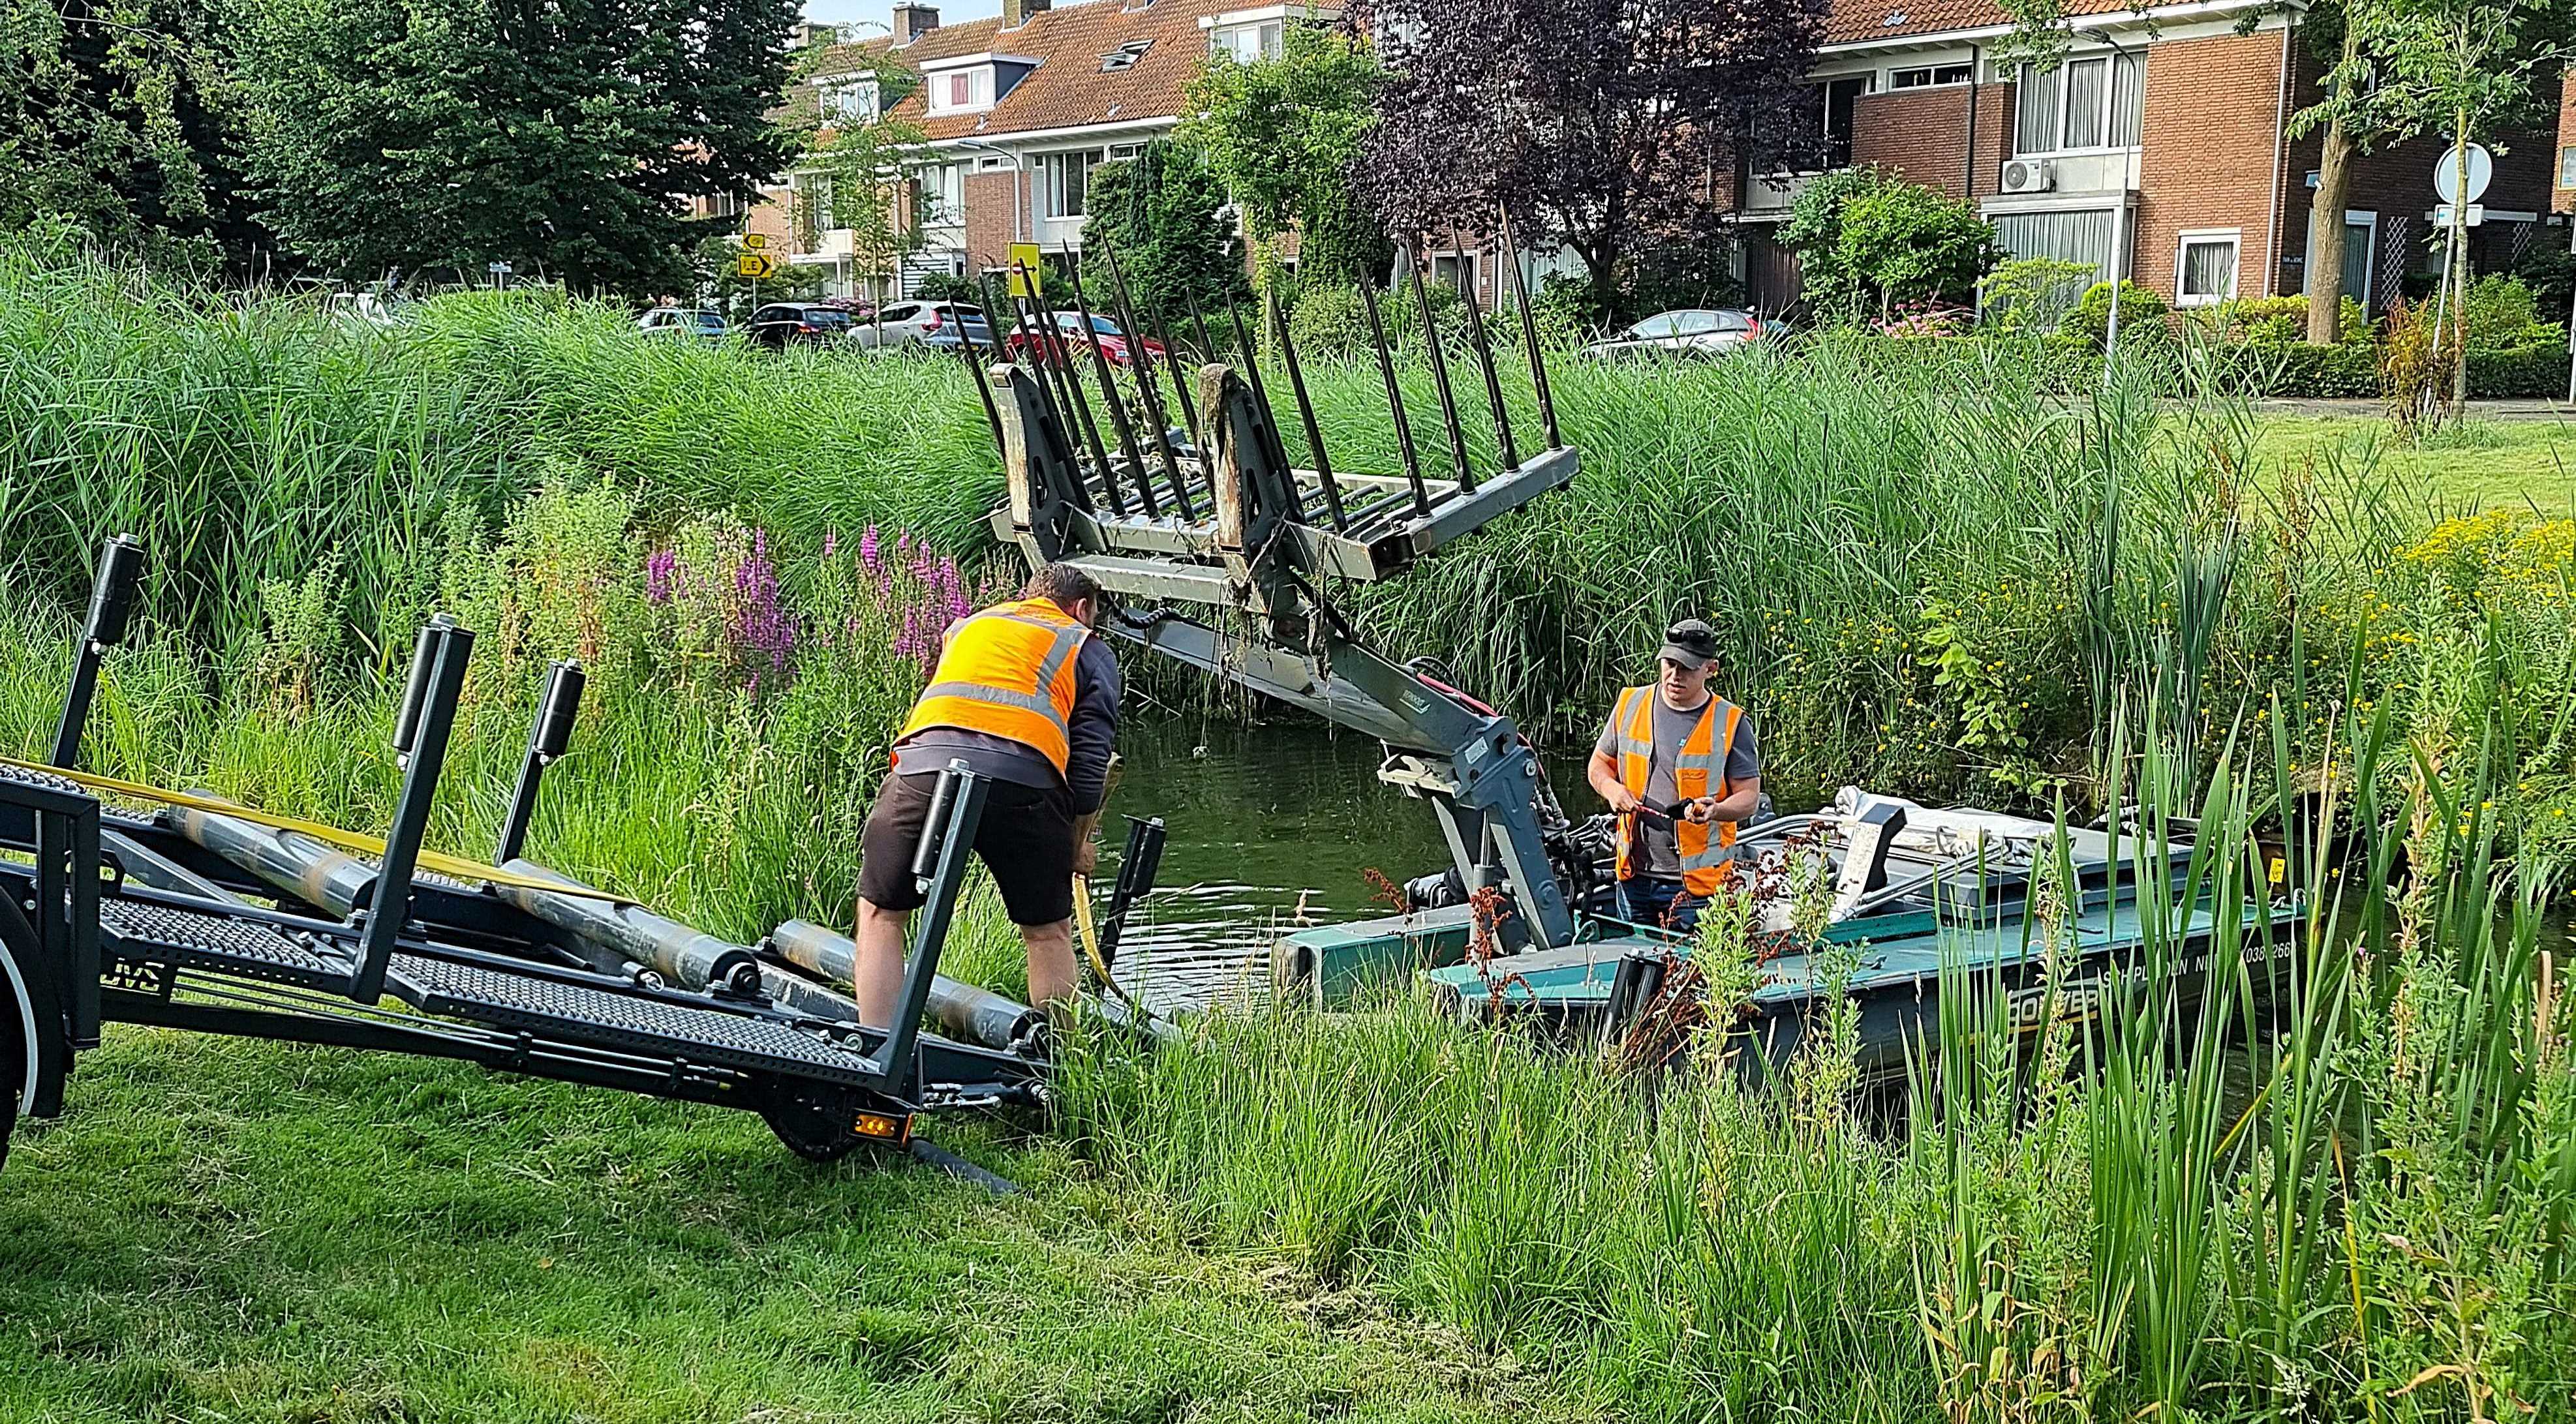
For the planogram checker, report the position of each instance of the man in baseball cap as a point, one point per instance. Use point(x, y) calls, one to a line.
point(1680, 767)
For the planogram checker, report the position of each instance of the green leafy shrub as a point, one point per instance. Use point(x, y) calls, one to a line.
point(1333, 322)
point(2142, 313)
point(2033, 295)
point(1869, 241)
point(2283, 321)
point(2522, 373)
point(2347, 371)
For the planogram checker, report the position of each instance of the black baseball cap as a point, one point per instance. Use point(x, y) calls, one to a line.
point(1691, 643)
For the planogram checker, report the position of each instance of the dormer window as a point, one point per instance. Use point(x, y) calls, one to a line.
point(849, 100)
point(959, 91)
point(1249, 43)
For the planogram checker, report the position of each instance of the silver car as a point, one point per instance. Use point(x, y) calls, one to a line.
point(679, 321)
point(1694, 331)
point(931, 324)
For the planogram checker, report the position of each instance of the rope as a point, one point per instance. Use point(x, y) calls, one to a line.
point(354, 842)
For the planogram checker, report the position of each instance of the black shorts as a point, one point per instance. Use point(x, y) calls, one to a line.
point(1025, 838)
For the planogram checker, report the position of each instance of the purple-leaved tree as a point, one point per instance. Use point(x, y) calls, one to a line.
point(1614, 126)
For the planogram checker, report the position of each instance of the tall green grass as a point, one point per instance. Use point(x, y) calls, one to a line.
point(2335, 1186)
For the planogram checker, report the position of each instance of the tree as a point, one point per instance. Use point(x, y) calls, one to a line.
point(1606, 124)
point(1870, 241)
point(1281, 134)
point(112, 116)
point(1161, 213)
point(854, 178)
point(561, 137)
point(2456, 67)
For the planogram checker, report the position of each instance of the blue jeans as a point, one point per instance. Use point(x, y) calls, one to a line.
point(1645, 900)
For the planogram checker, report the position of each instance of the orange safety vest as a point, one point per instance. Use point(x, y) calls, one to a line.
point(1700, 766)
point(1008, 672)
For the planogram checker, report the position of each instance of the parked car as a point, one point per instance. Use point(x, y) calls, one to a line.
point(784, 324)
point(363, 309)
point(1695, 331)
point(1114, 343)
point(928, 324)
point(680, 321)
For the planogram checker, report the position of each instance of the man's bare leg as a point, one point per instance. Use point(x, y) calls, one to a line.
point(879, 971)
point(1051, 969)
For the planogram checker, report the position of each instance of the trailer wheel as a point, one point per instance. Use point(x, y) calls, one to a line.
point(815, 1122)
point(13, 1061)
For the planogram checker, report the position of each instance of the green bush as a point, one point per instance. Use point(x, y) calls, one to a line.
point(2142, 313)
point(2521, 373)
point(2032, 295)
point(2349, 370)
point(2283, 321)
point(1333, 322)
point(1869, 241)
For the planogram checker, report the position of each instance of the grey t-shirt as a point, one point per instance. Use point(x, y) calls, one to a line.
point(1743, 762)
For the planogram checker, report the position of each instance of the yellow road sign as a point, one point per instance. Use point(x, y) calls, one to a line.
point(758, 266)
point(755, 241)
point(1025, 265)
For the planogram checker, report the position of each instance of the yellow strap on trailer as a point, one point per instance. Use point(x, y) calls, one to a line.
point(354, 842)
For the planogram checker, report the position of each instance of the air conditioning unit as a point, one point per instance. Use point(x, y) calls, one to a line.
point(2030, 175)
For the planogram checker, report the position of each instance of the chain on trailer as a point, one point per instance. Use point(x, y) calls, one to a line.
point(129, 904)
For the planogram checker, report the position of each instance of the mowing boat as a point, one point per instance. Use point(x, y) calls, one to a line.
point(1907, 891)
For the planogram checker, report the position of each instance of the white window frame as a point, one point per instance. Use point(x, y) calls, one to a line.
point(1931, 72)
point(937, 89)
point(2065, 95)
point(1462, 263)
point(2189, 238)
point(1050, 168)
point(2567, 166)
point(833, 98)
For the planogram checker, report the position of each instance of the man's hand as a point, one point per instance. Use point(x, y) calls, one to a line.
point(1086, 857)
point(1701, 811)
point(1621, 799)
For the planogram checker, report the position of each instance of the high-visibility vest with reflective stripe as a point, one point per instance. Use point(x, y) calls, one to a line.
point(1699, 769)
point(1007, 672)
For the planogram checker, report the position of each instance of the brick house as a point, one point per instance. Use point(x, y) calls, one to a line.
point(2164, 131)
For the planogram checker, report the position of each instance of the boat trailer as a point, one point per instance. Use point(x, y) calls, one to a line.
point(131, 904)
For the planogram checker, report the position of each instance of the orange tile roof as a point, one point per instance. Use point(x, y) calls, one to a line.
point(1859, 21)
point(1069, 88)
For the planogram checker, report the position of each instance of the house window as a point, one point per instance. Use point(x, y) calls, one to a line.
point(849, 101)
point(2068, 235)
point(1840, 96)
point(2360, 246)
point(960, 89)
point(1929, 76)
point(943, 194)
point(1124, 57)
point(1249, 43)
point(2567, 167)
point(2205, 268)
point(2083, 104)
point(1120, 152)
point(1458, 269)
point(1064, 179)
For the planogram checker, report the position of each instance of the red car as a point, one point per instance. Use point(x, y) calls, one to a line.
point(1113, 342)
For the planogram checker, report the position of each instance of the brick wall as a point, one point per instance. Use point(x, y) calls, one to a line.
point(2563, 200)
point(2212, 113)
point(1921, 134)
point(992, 201)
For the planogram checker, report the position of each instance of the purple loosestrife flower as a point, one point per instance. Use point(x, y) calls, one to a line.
point(868, 550)
point(661, 573)
point(831, 542)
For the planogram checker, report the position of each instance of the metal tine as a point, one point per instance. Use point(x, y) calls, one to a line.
point(1440, 373)
point(1056, 416)
point(1485, 363)
point(1395, 401)
point(1511, 255)
point(1278, 451)
point(983, 381)
point(1306, 416)
point(1053, 345)
point(1127, 446)
point(1146, 385)
point(1180, 386)
point(1207, 354)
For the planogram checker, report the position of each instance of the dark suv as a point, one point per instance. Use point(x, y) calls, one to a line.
point(784, 324)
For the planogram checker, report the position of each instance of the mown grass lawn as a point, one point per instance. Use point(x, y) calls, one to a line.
point(2482, 463)
point(224, 1230)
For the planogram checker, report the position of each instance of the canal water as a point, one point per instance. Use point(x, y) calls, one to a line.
point(1269, 827)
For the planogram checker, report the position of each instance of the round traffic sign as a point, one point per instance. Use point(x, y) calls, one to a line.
point(2446, 173)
